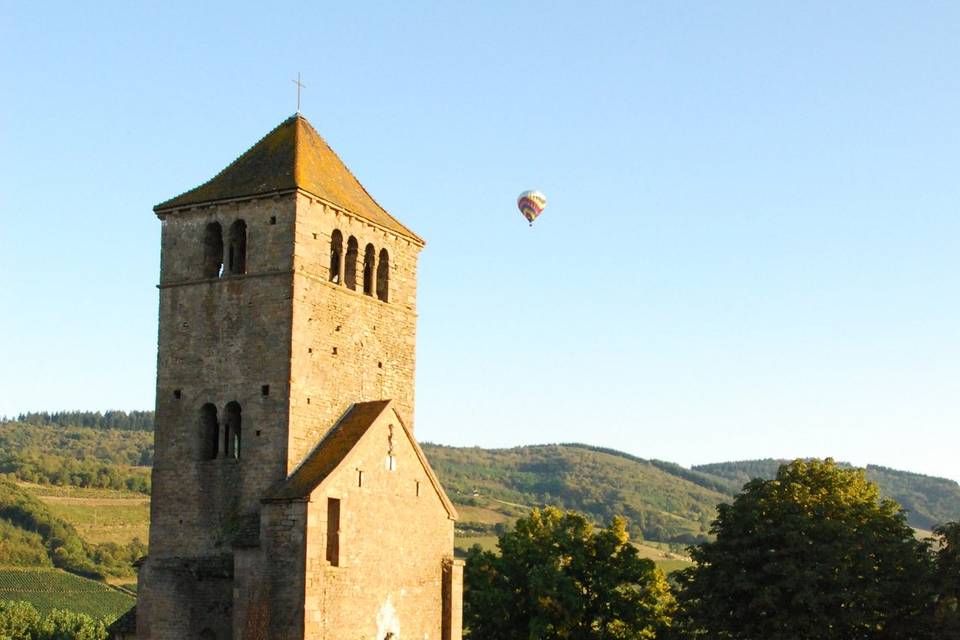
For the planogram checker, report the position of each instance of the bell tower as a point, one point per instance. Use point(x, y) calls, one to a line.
point(287, 295)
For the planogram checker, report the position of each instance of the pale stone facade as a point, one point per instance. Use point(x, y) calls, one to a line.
point(290, 499)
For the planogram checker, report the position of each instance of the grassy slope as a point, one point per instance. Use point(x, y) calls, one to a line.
point(658, 505)
point(98, 515)
point(48, 589)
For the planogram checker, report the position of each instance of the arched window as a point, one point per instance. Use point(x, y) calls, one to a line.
point(213, 250)
point(350, 265)
point(237, 248)
point(209, 432)
point(369, 258)
point(336, 251)
point(383, 276)
point(231, 441)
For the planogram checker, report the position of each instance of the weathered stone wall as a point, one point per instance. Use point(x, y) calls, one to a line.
point(295, 350)
point(392, 547)
point(347, 346)
point(178, 598)
point(283, 530)
point(221, 340)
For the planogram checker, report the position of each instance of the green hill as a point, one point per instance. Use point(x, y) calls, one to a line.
point(31, 534)
point(48, 589)
point(659, 505)
point(663, 502)
point(928, 501)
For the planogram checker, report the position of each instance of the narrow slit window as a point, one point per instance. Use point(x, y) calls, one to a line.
point(213, 250)
point(369, 267)
point(350, 264)
point(336, 253)
point(333, 531)
point(209, 432)
point(383, 276)
point(231, 441)
point(237, 248)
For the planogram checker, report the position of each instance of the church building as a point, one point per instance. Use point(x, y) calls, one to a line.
point(290, 498)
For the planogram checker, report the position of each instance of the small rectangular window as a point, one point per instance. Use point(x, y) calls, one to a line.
point(265, 390)
point(333, 531)
point(177, 394)
point(273, 219)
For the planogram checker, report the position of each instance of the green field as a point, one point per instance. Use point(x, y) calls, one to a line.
point(99, 515)
point(48, 589)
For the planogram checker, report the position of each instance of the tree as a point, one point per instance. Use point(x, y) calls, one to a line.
point(69, 625)
point(556, 577)
point(17, 620)
point(813, 553)
point(21, 621)
point(947, 613)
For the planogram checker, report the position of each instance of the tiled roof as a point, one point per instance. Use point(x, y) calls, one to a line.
point(335, 446)
point(331, 451)
point(291, 156)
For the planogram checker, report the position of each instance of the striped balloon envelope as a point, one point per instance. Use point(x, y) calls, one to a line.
point(531, 204)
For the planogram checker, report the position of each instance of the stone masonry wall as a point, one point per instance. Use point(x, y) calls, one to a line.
point(347, 346)
point(179, 598)
point(283, 530)
point(220, 340)
point(392, 547)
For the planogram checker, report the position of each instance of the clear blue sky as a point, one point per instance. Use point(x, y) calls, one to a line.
point(750, 247)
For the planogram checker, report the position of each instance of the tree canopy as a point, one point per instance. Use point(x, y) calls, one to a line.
point(947, 612)
point(813, 553)
point(558, 577)
point(21, 621)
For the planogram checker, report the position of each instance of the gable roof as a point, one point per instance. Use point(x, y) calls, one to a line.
point(337, 444)
point(292, 156)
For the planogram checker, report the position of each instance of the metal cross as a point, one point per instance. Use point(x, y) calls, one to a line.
point(300, 85)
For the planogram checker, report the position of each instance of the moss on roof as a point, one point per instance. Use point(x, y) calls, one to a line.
point(291, 156)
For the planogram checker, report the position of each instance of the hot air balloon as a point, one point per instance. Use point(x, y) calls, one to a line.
point(531, 204)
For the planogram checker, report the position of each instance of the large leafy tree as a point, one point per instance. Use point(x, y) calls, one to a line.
point(21, 621)
point(813, 553)
point(558, 577)
point(947, 612)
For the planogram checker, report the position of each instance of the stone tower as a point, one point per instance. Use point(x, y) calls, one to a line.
point(286, 478)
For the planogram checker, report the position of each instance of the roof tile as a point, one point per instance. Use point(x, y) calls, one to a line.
point(292, 156)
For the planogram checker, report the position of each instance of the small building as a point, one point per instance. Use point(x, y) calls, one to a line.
point(290, 498)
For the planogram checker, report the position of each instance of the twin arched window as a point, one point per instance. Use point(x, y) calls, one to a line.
point(236, 250)
point(210, 432)
point(343, 266)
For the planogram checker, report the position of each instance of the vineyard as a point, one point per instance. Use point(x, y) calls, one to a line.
point(48, 589)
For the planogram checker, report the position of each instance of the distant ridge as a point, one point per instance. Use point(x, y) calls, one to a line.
point(928, 500)
point(662, 500)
